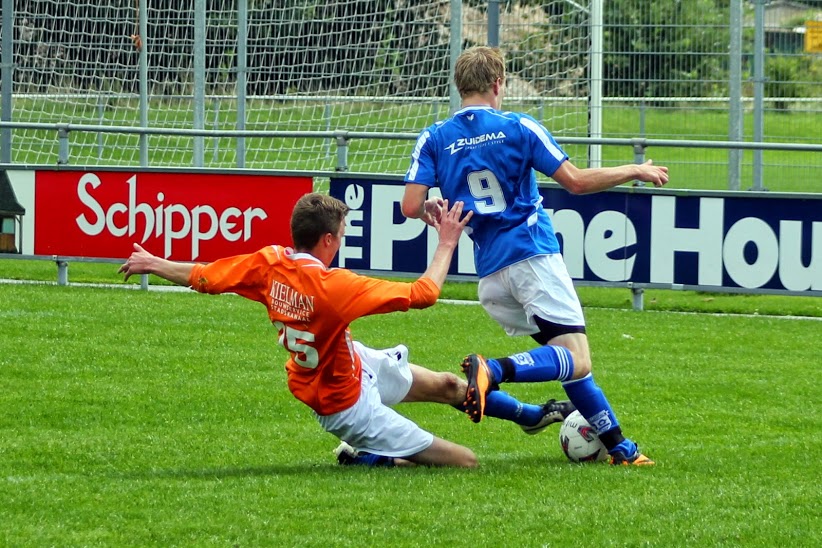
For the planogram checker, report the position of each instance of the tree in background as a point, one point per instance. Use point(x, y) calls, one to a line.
point(665, 49)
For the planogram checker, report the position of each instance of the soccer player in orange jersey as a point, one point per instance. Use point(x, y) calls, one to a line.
point(349, 386)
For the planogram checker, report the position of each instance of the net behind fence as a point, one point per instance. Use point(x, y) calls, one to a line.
point(375, 66)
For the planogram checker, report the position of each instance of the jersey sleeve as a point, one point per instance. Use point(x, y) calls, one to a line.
point(424, 293)
point(244, 275)
point(546, 154)
point(423, 169)
point(365, 296)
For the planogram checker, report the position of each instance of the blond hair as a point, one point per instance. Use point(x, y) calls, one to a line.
point(477, 69)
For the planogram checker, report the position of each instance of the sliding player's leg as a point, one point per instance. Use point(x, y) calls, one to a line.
point(393, 370)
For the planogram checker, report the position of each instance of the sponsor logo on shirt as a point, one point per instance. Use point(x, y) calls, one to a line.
point(289, 302)
point(477, 140)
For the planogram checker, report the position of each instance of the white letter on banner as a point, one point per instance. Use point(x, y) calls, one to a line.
point(227, 224)
point(248, 216)
point(134, 208)
point(170, 233)
point(795, 276)
point(758, 273)
point(95, 228)
point(354, 199)
point(706, 240)
point(384, 231)
point(568, 223)
point(609, 231)
point(196, 227)
point(113, 210)
point(465, 255)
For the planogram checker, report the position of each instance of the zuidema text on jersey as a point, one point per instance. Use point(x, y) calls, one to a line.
point(173, 222)
point(475, 141)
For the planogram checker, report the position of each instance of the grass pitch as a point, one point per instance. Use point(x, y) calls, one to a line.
point(137, 418)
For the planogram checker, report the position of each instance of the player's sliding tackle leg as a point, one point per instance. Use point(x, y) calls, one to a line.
point(484, 398)
point(533, 419)
point(547, 363)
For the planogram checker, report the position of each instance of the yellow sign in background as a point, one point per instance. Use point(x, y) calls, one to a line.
point(813, 36)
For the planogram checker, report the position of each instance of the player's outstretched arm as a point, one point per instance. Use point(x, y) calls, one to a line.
point(589, 180)
point(416, 206)
point(143, 262)
point(449, 229)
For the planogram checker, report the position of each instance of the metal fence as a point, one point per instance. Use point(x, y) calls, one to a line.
point(275, 86)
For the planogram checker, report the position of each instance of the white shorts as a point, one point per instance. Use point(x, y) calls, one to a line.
point(370, 425)
point(539, 286)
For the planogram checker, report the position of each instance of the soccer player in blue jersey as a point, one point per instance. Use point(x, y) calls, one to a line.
point(486, 158)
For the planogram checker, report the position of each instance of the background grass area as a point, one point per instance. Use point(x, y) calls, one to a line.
point(162, 419)
point(591, 296)
point(690, 168)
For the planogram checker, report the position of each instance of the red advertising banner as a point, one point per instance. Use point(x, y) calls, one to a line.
point(180, 216)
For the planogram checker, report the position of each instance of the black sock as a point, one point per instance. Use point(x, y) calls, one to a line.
point(509, 370)
point(612, 438)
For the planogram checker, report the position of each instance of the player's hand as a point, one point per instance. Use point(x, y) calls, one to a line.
point(452, 223)
point(649, 173)
point(432, 211)
point(139, 262)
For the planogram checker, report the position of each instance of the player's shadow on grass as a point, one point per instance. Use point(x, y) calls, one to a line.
point(505, 461)
point(498, 463)
point(227, 472)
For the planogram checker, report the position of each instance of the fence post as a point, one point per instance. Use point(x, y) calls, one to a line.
point(327, 116)
point(143, 139)
point(101, 118)
point(735, 119)
point(455, 45)
point(242, 72)
point(637, 298)
point(493, 22)
point(215, 142)
point(6, 71)
point(759, 89)
point(596, 80)
point(62, 272)
point(62, 144)
point(342, 153)
point(199, 65)
point(639, 155)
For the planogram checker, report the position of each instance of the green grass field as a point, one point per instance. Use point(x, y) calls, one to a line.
point(136, 418)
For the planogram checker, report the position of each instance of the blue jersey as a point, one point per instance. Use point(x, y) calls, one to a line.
point(486, 158)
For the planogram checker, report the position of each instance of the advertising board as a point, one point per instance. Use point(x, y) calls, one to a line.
point(183, 216)
point(701, 239)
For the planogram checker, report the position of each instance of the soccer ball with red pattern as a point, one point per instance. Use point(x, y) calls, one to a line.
point(579, 441)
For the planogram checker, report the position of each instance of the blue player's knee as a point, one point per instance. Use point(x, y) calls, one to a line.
point(582, 364)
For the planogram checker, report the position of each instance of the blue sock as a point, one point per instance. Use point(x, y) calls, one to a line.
point(544, 363)
point(502, 405)
point(589, 399)
point(370, 459)
point(626, 446)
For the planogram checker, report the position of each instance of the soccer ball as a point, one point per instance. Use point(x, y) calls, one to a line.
point(579, 441)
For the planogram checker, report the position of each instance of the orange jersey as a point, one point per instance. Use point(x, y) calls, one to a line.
point(311, 307)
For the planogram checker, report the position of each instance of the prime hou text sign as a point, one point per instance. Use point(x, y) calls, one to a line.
point(714, 240)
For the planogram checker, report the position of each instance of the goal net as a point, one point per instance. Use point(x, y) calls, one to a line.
point(308, 65)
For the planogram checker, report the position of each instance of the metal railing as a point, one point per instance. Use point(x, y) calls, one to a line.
point(343, 138)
